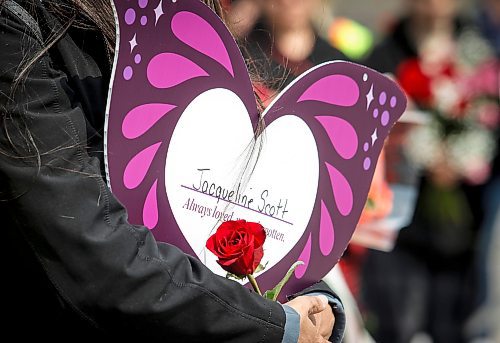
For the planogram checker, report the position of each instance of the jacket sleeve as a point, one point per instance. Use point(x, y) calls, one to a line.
point(112, 273)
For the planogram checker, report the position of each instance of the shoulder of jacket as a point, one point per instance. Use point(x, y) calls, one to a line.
point(19, 12)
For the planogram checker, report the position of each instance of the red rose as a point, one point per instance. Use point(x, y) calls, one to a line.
point(238, 246)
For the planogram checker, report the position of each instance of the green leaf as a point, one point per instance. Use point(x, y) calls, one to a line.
point(260, 268)
point(234, 276)
point(273, 294)
point(268, 295)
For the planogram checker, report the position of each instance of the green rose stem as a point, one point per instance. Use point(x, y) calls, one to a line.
point(254, 284)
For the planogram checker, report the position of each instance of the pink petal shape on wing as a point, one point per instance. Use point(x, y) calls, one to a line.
point(142, 118)
point(166, 70)
point(196, 32)
point(342, 135)
point(150, 209)
point(137, 168)
point(305, 256)
point(327, 232)
point(338, 90)
point(342, 191)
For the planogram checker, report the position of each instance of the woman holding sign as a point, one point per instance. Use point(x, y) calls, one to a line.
point(74, 265)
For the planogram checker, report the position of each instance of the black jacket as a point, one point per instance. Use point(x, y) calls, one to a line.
point(73, 267)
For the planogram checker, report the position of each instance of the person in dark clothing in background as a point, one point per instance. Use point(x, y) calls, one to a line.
point(484, 323)
point(424, 285)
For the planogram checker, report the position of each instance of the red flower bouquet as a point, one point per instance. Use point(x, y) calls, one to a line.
point(461, 96)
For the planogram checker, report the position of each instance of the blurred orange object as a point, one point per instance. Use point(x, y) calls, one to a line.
point(380, 196)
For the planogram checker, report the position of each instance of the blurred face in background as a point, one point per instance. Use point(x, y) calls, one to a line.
point(289, 14)
point(432, 10)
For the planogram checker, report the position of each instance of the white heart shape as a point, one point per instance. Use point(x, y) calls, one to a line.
point(210, 148)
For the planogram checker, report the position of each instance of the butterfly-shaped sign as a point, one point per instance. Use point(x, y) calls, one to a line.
point(185, 148)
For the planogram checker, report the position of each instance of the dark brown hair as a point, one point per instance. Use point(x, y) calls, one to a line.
point(86, 14)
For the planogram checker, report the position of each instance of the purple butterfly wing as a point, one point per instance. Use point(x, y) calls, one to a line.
point(168, 54)
point(350, 110)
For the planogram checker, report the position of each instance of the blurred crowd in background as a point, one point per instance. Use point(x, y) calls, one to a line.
point(436, 276)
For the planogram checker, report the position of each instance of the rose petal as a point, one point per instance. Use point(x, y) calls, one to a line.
point(227, 260)
point(233, 266)
point(258, 232)
point(227, 250)
point(247, 259)
point(253, 227)
point(257, 255)
point(243, 238)
point(222, 248)
point(223, 230)
point(212, 244)
point(230, 251)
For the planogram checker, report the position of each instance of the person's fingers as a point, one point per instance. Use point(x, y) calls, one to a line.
point(315, 319)
point(311, 323)
point(325, 321)
point(308, 305)
point(317, 304)
point(309, 332)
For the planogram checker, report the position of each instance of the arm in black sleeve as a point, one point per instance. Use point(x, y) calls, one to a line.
point(110, 272)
